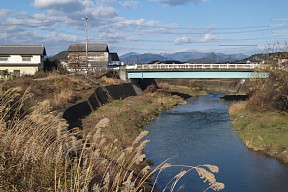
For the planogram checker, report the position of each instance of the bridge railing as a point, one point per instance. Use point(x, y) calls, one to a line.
point(193, 66)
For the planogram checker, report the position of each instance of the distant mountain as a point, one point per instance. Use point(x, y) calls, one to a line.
point(62, 56)
point(192, 57)
point(239, 56)
point(141, 58)
point(184, 56)
point(122, 57)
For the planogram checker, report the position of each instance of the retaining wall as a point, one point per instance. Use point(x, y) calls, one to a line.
point(101, 96)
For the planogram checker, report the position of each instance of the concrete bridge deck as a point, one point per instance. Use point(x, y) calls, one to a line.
point(187, 70)
point(189, 66)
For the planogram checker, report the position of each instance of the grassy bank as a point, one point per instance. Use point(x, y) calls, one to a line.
point(127, 117)
point(38, 153)
point(265, 131)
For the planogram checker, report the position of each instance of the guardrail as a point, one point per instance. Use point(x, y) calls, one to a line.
point(191, 66)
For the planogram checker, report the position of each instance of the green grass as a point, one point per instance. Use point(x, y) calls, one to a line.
point(116, 103)
point(128, 116)
point(265, 131)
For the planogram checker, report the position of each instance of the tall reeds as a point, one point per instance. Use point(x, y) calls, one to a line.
point(38, 153)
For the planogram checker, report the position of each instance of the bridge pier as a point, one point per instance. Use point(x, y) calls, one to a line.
point(123, 73)
point(139, 84)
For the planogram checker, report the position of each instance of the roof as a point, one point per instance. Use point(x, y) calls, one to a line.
point(114, 57)
point(22, 50)
point(91, 48)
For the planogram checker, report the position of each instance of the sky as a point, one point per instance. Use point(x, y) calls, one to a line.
point(151, 26)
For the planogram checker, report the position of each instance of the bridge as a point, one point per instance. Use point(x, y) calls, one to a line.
point(188, 70)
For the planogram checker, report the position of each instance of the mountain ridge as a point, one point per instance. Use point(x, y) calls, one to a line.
point(133, 57)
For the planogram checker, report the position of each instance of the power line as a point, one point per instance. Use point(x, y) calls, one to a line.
point(258, 28)
point(279, 19)
point(238, 45)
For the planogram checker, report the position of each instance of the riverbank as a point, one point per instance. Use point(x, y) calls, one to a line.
point(101, 149)
point(125, 118)
point(263, 131)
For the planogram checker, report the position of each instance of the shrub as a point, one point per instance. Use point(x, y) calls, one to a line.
point(271, 92)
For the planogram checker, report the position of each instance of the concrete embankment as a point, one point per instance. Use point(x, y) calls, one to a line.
point(101, 96)
point(227, 86)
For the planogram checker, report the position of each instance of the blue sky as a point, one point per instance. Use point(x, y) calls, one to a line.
point(151, 26)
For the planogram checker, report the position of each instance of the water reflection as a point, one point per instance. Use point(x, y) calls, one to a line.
point(200, 133)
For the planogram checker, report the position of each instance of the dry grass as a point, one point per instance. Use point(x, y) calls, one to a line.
point(129, 115)
point(237, 107)
point(270, 93)
point(109, 80)
point(62, 98)
point(37, 153)
point(53, 75)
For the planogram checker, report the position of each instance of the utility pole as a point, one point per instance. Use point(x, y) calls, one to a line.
point(86, 47)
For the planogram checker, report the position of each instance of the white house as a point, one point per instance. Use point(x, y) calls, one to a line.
point(21, 59)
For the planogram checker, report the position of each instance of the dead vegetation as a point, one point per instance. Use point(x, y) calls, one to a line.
point(128, 116)
point(60, 90)
point(37, 153)
point(270, 93)
point(109, 81)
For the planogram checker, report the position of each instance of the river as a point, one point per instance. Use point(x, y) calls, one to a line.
point(200, 132)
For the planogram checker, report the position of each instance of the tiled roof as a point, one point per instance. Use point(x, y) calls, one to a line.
point(91, 48)
point(22, 50)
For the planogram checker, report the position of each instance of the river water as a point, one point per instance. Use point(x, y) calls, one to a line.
point(200, 132)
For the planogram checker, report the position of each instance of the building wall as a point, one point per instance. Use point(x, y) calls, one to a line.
point(35, 59)
point(24, 70)
point(16, 65)
point(95, 59)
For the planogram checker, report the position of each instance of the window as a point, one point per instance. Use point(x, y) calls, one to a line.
point(91, 58)
point(26, 59)
point(99, 54)
point(2, 59)
point(96, 57)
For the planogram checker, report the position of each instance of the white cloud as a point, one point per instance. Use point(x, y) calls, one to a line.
point(207, 37)
point(179, 2)
point(104, 12)
point(186, 40)
point(135, 23)
point(4, 12)
point(131, 4)
point(47, 4)
point(75, 8)
point(59, 23)
point(182, 40)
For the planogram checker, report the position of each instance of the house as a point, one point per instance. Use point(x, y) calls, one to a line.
point(21, 59)
point(114, 59)
point(282, 61)
point(97, 56)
